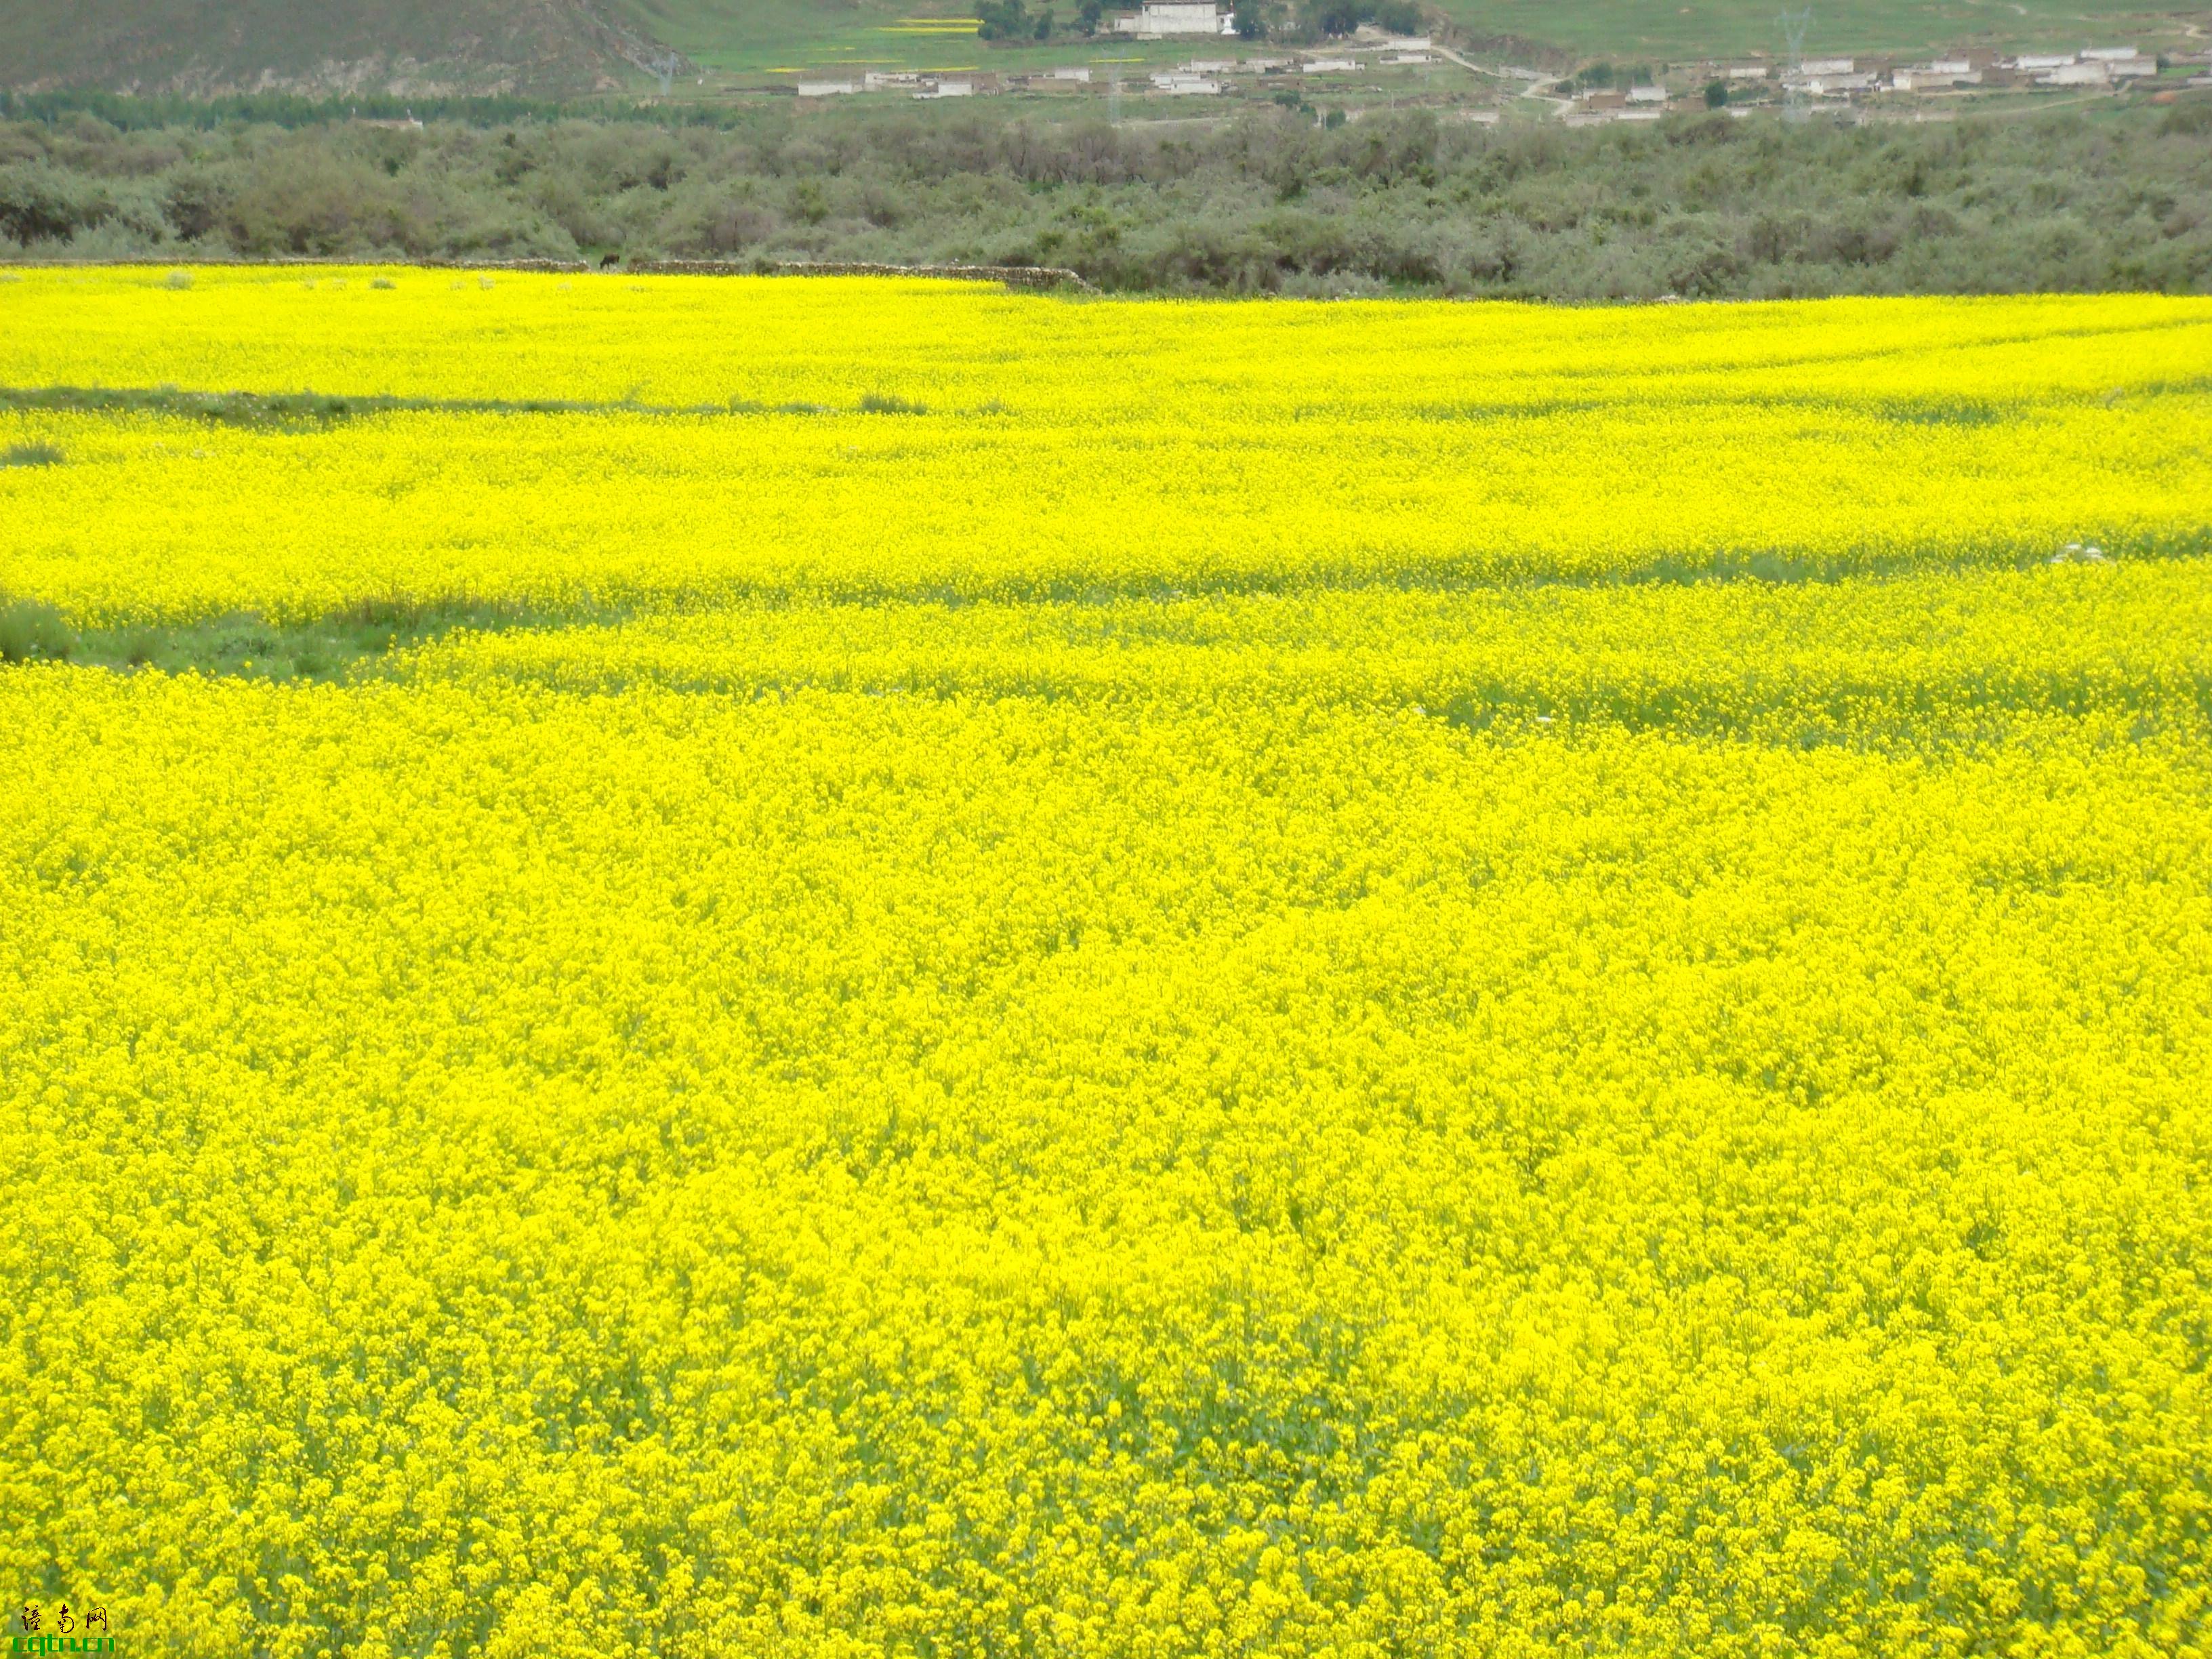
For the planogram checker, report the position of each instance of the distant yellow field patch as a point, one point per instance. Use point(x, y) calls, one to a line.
point(1138, 443)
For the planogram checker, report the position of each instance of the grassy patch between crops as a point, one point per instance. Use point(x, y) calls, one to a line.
point(283, 410)
point(249, 408)
point(340, 646)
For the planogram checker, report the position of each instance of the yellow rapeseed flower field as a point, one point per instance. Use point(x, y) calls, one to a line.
point(1093, 978)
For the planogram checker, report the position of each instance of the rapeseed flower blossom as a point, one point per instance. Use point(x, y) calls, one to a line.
point(1210, 1012)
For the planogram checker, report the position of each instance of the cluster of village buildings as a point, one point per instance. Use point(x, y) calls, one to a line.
point(1849, 79)
point(1827, 76)
point(1855, 78)
point(1201, 76)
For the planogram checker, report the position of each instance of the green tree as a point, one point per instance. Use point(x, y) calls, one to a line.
point(1002, 20)
point(1716, 94)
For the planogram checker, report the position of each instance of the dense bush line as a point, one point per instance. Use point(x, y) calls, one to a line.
point(1265, 202)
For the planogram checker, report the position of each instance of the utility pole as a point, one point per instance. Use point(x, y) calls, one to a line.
point(1794, 25)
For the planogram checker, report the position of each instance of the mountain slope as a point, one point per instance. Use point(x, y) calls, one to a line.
point(213, 46)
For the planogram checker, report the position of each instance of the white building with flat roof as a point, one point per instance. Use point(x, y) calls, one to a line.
point(1162, 18)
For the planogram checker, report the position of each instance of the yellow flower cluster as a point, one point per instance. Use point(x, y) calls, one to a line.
point(1146, 1037)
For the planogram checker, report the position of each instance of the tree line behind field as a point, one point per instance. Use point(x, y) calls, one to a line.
point(1269, 201)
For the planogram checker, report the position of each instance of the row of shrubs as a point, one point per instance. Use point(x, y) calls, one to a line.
point(1269, 201)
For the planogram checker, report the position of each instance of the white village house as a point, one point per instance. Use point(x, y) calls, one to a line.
point(1936, 77)
point(2087, 68)
point(1161, 18)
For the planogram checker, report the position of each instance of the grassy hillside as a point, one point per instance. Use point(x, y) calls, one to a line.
point(541, 47)
point(760, 34)
point(747, 36)
point(1662, 29)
